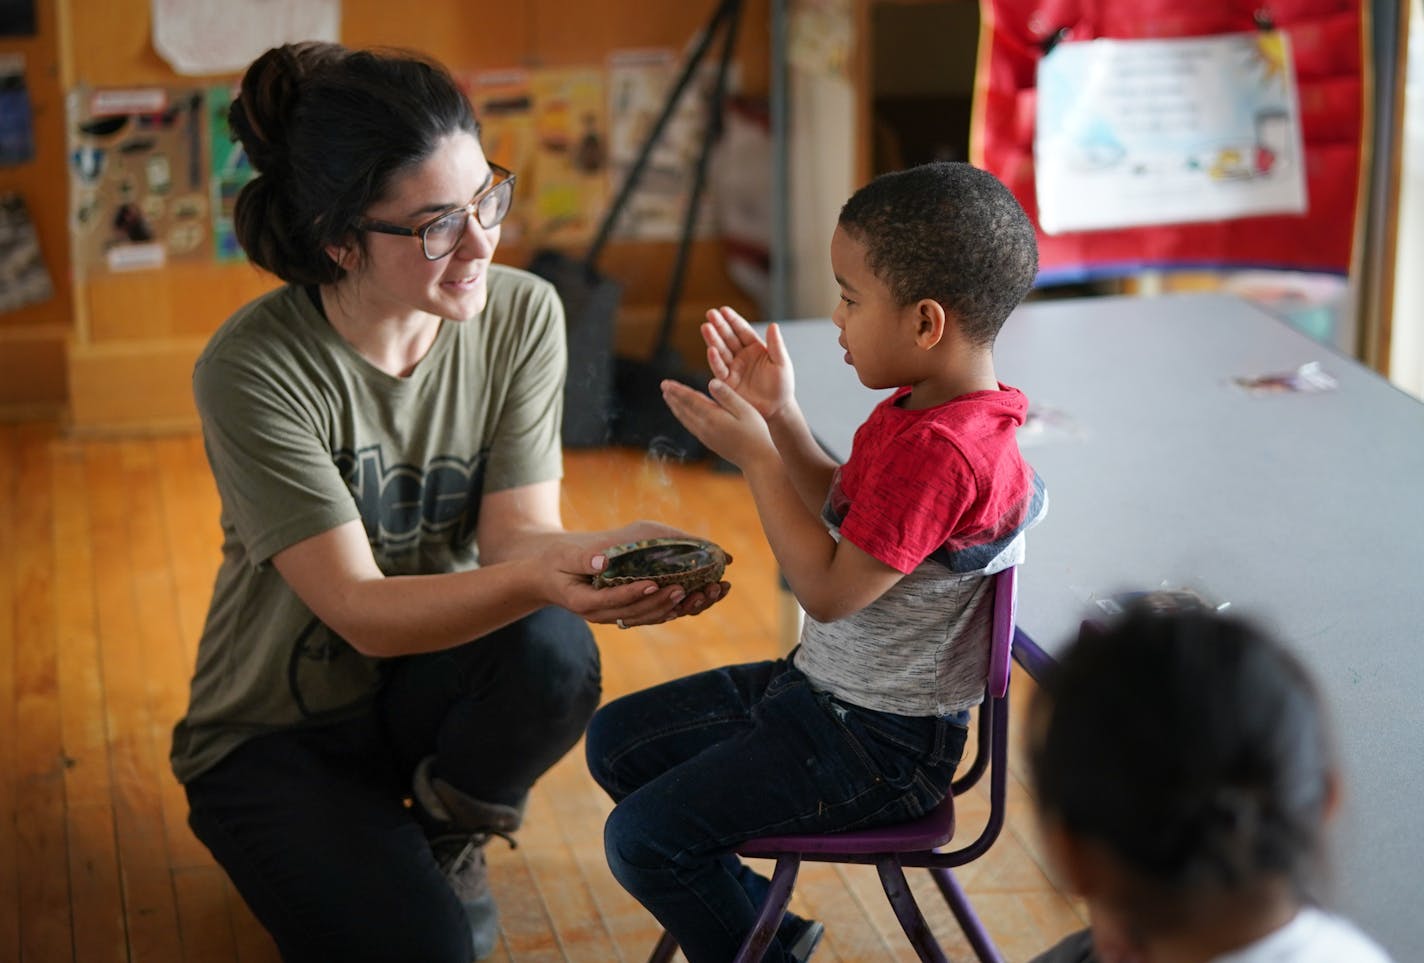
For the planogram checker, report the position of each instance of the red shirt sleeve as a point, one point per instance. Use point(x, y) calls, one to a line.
point(907, 493)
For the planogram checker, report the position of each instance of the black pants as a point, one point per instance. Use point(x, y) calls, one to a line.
point(311, 826)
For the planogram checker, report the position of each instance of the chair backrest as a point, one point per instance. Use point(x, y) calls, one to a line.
point(918, 838)
point(1001, 639)
point(1001, 651)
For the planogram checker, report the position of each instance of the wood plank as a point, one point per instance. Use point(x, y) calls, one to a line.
point(45, 913)
point(254, 944)
point(99, 930)
point(100, 927)
point(193, 534)
point(549, 857)
point(10, 561)
point(161, 649)
point(39, 816)
point(138, 767)
point(526, 931)
point(580, 808)
point(203, 920)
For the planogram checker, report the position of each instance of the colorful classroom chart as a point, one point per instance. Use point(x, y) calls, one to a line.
point(229, 171)
point(570, 173)
point(1135, 132)
point(639, 82)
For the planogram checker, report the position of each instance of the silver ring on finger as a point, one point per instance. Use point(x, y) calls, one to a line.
point(619, 623)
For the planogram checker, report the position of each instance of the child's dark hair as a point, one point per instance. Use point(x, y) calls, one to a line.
point(1191, 746)
point(950, 232)
point(327, 128)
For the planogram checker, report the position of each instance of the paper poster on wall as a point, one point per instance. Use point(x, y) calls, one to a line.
point(1137, 132)
point(23, 277)
point(138, 185)
point(571, 160)
point(639, 82)
point(17, 135)
point(199, 37)
point(229, 171)
point(503, 102)
point(821, 37)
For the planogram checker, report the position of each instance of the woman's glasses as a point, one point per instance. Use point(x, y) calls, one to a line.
point(440, 235)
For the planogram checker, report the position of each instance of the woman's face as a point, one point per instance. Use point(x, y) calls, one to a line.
point(396, 277)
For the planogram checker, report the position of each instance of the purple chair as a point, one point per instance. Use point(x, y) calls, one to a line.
point(917, 843)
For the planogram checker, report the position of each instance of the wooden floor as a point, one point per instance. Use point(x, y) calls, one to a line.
point(109, 549)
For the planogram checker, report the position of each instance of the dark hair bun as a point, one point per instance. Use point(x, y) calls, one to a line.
point(260, 114)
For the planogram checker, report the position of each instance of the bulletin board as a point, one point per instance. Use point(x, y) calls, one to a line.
point(138, 178)
point(1329, 57)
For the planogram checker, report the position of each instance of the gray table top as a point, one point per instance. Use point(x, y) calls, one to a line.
point(1301, 510)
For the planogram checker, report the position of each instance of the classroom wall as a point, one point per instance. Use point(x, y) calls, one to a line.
point(32, 338)
point(128, 340)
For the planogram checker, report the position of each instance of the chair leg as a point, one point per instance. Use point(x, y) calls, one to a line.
point(773, 908)
point(912, 921)
point(969, 922)
point(666, 947)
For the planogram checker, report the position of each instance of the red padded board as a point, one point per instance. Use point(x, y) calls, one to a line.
point(1326, 39)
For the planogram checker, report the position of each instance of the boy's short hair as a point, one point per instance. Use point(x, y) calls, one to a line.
point(951, 232)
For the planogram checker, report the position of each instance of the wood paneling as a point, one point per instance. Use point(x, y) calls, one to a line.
point(133, 385)
point(32, 369)
point(32, 337)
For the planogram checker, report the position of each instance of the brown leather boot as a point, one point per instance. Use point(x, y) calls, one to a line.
point(458, 826)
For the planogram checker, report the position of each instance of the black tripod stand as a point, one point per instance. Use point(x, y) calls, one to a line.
point(621, 402)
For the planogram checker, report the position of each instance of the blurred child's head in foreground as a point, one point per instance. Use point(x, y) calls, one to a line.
point(1182, 763)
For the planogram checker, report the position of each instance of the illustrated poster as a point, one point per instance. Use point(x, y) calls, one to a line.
point(639, 82)
point(1137, 132)
point(229, 171)
point(571, 154)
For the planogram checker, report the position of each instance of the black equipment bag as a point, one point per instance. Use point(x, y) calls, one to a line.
point(590, 307)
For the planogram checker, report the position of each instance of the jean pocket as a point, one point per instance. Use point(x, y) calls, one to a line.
point(904, 750)
point(788, 678)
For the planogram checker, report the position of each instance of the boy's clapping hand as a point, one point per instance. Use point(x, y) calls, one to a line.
point(759, 371)
point(724, 422)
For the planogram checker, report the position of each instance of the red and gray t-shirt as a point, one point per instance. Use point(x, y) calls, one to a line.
point(942, 495)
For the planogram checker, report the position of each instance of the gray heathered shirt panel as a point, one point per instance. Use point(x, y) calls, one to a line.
point(921, 649)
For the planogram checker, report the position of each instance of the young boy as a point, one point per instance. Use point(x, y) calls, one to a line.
point(888, 554)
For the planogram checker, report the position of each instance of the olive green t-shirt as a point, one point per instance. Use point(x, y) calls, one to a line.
point(303, 435)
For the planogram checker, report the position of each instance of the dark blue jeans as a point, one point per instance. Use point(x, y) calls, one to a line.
point(703, 763)
point(311, 826)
